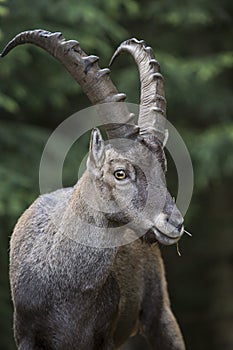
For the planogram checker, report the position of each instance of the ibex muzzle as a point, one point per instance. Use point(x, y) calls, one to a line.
point(73, 296)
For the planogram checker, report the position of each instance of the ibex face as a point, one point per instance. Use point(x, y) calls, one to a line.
point(128, 187)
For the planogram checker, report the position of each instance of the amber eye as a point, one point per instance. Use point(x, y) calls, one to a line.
point(120, 174)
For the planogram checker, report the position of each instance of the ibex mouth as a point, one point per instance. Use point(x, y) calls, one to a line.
point(168, 238)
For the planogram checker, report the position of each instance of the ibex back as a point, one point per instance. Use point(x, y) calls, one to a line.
point(69, 290)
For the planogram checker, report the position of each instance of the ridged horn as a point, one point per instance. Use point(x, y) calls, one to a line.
point(152, 102)
point(94, 81)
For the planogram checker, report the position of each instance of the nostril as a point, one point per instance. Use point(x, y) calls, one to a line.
point(177, 224)
point(179, 227)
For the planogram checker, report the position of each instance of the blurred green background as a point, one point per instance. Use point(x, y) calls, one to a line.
point(193, 42)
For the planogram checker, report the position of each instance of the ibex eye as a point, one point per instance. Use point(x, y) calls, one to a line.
point(120, 174)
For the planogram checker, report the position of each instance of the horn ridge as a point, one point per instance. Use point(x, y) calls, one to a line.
point(33, 37)
point(94, 81)
point(152, 101)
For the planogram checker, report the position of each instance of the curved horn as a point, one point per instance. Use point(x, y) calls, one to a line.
point(94, 81)
point(153, 103)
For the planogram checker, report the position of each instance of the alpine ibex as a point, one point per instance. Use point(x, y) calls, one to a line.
point(68, 295)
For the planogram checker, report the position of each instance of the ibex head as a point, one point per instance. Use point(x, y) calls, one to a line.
point(125, 179)
point(126, 183)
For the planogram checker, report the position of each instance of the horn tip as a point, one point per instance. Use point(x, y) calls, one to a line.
point(114, 56)
point(123, 47)
point(4, 52)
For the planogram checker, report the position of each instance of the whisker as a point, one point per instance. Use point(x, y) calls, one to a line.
point(188, 233)
point(177, 249)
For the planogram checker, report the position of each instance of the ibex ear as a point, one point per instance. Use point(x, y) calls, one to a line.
point(96, 151)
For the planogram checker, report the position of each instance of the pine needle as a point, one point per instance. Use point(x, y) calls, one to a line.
point(188, 233)
point(177, 249)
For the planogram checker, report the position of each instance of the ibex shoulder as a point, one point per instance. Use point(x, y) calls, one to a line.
point(38, 216)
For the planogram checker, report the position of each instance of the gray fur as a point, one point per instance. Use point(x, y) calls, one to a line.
point(69, 295)
point(85, 266)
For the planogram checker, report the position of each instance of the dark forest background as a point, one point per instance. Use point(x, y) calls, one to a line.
point(193, 41)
